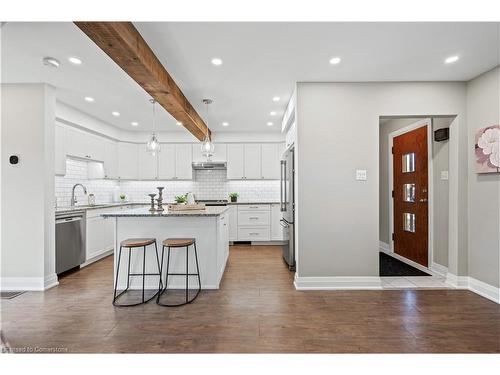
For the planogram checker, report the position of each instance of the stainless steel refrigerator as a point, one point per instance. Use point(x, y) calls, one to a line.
point(287, 203)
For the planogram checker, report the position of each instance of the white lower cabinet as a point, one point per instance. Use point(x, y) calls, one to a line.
point(100, 235)
point(233, 223)
point(276, 228)
point(222, 242)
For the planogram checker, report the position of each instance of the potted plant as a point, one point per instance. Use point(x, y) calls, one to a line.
point(234, 197)
point(180, 199)
point(123, 197)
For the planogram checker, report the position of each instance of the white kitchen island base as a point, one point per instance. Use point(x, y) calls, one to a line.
point(208, 227)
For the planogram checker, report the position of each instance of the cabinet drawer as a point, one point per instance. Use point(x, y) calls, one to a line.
point(253, 218)
point(253, 207)
point(253, 233)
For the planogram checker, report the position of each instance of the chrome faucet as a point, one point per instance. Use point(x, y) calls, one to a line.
point(73, 199)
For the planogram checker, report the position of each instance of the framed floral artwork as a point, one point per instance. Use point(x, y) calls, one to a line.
point(487, 149)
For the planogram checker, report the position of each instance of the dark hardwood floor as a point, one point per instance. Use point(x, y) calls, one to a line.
point(256, 310)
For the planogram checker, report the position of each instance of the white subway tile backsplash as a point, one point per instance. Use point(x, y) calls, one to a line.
point(205, 185)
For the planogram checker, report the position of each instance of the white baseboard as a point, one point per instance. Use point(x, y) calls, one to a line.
point(99, 256)
point(338, 283)
point(31, 284)
point(439, 269)
point(384, 246)
point(476, 286)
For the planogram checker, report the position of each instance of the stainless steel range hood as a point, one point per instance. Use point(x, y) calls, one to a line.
point(210, 165)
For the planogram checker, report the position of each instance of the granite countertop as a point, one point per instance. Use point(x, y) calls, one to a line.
point(144, 212)
point(64, 209)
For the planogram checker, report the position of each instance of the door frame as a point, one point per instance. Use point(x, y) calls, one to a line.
point(430, 187)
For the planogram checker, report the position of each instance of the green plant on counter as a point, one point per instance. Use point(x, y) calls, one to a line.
point(123, 197)
point(181, 199)
point(234, 196)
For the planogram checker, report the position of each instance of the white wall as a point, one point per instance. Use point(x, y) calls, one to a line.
point(337, 133)
point(483, 104)
point(28, 228)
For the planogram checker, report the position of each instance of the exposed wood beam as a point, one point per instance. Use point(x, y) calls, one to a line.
point(122, 42)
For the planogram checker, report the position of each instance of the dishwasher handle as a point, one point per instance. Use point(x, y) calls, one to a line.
point(68, 220)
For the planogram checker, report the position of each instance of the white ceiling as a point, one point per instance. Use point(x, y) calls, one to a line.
point(260, 61)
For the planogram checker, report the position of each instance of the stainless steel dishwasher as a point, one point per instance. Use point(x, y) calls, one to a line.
point(70, 240)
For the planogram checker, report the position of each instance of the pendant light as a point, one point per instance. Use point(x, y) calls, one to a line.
point(207, 146)
point(153, 145)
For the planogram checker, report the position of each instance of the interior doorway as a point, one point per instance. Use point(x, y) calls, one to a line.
point(414, 195)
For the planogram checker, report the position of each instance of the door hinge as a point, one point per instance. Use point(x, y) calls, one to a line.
point(393, 236)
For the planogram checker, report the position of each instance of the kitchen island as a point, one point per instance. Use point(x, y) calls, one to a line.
point(209, 227)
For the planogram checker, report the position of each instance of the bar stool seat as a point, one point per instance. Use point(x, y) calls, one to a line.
point(130, 244)
point(171, 243)
point(137, 242)
point(178, 242)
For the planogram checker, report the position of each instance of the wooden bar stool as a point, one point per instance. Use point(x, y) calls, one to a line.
point(170, 243)
point(135, 243)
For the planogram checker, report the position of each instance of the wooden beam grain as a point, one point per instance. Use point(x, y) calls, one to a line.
point(127, 48)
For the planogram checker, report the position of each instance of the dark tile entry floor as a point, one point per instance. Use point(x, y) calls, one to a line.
point(389, 266)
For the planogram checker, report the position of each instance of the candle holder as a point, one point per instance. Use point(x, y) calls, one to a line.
point(152, 196)
point(160, 198)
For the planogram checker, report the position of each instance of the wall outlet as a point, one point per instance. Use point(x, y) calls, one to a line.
point(361, 174)
point(444, 175)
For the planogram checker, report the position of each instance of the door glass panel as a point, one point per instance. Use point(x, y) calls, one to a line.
point(409, 192)
point(409, 162)
point(409, 222)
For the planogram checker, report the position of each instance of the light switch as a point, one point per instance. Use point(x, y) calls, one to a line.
point(361, 174)
point(444, 175)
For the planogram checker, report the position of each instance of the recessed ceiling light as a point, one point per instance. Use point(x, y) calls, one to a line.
point(89, 99)
point(225, 123)
point(276, 99)
point(335, 60)
point(134, 123)
point(115, 113)
point(52, 62)
point(451, 59)
point(216, 61)
point(75, 60)
point(270, 123)
point(272, 113)
point(179, 123)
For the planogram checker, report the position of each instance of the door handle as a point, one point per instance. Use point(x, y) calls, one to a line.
point(423, 200)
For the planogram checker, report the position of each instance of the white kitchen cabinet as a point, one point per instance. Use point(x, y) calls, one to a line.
point(60, 150)
point(235, 162)
point(148, 164)
point(276, 228)
point(128, 161)
point(110, 160)
point(222, 242)
point(100, 235)
point(253, 157)
point(166, 162)
point(233, 222)
point(84, 145)
point(270, 161)
point(220, 153)
point(183, 161)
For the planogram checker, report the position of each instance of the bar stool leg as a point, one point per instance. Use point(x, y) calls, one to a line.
point(117, 273)
point(143, 272)
point(168, 266)
point(187, 273)
point(158, 263)
point(160, 286)
point(197, 267)
point(128, 272)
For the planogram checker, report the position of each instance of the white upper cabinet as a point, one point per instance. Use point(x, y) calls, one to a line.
point(128, 161)
point(220, 153)
point(148, 164)
point(60, 151)
point(183, 161)
point(166, 162)
point(111, 160)
point(253, 159)
point(271, 161)
point(235, 161)
point(84, 145)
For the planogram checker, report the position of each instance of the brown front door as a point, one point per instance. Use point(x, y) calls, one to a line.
point(410, 195)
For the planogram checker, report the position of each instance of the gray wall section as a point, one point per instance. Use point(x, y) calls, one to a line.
point(337, 133)
point(483, 100)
